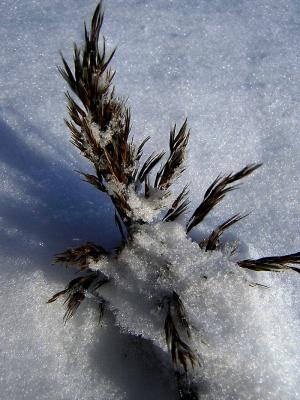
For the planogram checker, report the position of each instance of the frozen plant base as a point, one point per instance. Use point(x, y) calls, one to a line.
point(246, 342)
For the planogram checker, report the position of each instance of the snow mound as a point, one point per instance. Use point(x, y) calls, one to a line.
point(245, 335)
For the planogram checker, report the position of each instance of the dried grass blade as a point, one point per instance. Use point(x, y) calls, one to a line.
point(179, 206)
point(181, 353)
point(148, 165)
point(213, 241)
point(174, 164)
point(76, 290)
point(216, 192)
point(81, 256)
point(275, 264)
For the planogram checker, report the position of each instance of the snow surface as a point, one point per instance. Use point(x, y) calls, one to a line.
point(232, 68)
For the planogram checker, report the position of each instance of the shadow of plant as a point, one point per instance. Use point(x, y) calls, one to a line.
point(44, 207)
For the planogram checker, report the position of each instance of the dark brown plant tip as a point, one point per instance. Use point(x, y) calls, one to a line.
point(90, 64)
point(76, 291)
point(213, 241)
point(139, 151)
point(181, 353)
point(216, 192)
point(81, 256)
point(179, 206)
point(174, 164)
point(275, 264)
point(181, 313)
point(148, 166)
point(72, 302)
point(249, 169)
point(96, 181)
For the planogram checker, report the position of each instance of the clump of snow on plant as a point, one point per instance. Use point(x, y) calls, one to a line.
point(148, 209)
point(103, 137)
point(238, 330)
point(142, 208)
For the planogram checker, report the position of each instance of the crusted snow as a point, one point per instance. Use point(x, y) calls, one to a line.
point(148, 209)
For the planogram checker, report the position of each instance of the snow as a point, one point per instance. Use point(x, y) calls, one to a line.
point(145, 209)
point(231, 67)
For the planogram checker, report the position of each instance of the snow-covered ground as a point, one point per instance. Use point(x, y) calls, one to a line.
point(231, 67)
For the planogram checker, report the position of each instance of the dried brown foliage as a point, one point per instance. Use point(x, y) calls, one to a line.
point(214, 239)
point(216, 192)
point(275, 264)
point(75, 292)
point(179, 206)
point(176, 321)
point(174, 164)
point(81, 256)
